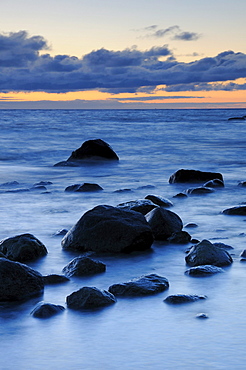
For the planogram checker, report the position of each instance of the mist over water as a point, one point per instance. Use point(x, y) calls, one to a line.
point(136, 333)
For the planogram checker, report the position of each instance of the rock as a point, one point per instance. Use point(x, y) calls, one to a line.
point(238, 210)
point(10, 184)
point(237, 118)
point(243, 254)
point(199, 190)
point(93, 149)
point(183, 298)
point(191, 225)
point(146, 285)
point(182, 176)
point(109, 229)
point(242, 183)
point(123, 191)
point(223, 246)
point(23, 248)
point(216, 183)
point(46, 310)
point(205, 253)
point(89, 298)
point(163, 223)
point(180, 237)
point(81, 266)
point(141, 205)
point(54, 279)
point(159, 201)
point(44, 183)
point(18, 281)
point(61, 232)
point(38, 187)
point(204, 270)
point(86, 187)
point(180, 195)
point(202, 316)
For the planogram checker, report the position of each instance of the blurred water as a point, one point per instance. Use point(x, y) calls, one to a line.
point(140, 333)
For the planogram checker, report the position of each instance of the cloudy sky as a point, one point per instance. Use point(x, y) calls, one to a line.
point(122, 54)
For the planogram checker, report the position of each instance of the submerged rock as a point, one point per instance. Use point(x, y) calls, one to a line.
point(199, 190)
point(206, 253)
point(109, 229)
point(89, 298)
point(86, 187)
point(81, 266)
point(216, 183)
point(46, 310)
point(18, 281)
point(182, 176)
point(238, 210)
point(183, 298)
point(141, 205)
point(204, 270)
point(163, 223)
point(146, 285)
point(23, 248)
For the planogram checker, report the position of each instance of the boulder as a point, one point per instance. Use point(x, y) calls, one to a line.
point(23, 248)
point(183, 176)
point(205, 270)
point(93, 149)
point(89, 298)
point(86, 187)
point(199, 190)
point(206, 253)
point(146, 285)
point(159, 201)
point(46, 310)
point(18, 281)
point(183, 298)
point(163, 223)
point(180, 237)
point(141, 205)
point(54, 279)
point(109, 229)
point(81, 266)
point(238, 210)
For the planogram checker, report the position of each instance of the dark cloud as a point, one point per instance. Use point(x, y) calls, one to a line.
point(187, 36)
point(24, 68)
point(174, 31)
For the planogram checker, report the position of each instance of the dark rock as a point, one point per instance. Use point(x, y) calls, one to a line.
point(141, 205)
point(146, 187)
point(93, 149)
point(237, 118)
point(223, 246)
point(183, 298)
point(183, 176)
point(191, 225)
point(89, 298)
point(23, 248)
point(163, 223)
point(238, 210)
point(54, 279)
point(204, 270)
point(202, 316)
point(18, 281)
point(205, 253)
point(180, 237)
point(146, 285)
point(109, 229)
point(81, 266)
point(38, 187)
point(44, 183)
point(61, 232)
point(199, 190)
point(162, 202)
point(180, 195)
point(243, 254)
point(10, 184)
point(123, 191)
point(46, 310)
point(216, 183)
point(86, 187)
point(242, 183)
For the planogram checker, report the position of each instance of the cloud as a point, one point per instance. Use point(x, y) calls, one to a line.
point(186, 36)
point(24, 68)
point(153, 98)
point(174, 31)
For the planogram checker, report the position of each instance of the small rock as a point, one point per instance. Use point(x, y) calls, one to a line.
point(159, 201)
point(183, 176)
point(183, 298)
point(89, 298)
point(54, 279)
point(202, 316)
point(46, 310)
point(199, 190)
point(180, 237)
point(86, 187)
point(216, 183)
point(163, 223)
point(141, 205)
point(81, 266)
point(191, 225)
point(204, 270)
point(238, 210)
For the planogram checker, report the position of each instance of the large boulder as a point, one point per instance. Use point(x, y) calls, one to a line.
point(206, 253)
point(93, 149)
point(23, 248)
point(89, 298)
point(82, 266)
point(146, 285)
point(183, 176)
point(163, 223)
point(109, 229)
point(18, 281)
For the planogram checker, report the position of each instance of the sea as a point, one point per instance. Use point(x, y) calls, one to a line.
point(134, 333)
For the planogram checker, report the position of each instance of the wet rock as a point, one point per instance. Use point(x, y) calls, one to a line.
point(123, 191)
point(243, 254)
point(199, 190)
point(216, 183)
point(146, 285)
point(191, 225)
point(202, 316)
point(141, 205)
point(237, 118)
point(93, 149)
point(54, 279)
point(204, 270)
point(89, 298)
point(109, 229)
point(43, 183)
point(180, 237)
point(163, 223)
point(183, 176)
point(61, 232)
point(23, 248)
point(205, 253)
point(81, 266)
point(180, 195)
point(86, 187)
point(238, 210)
point(223, 246)
point(10, 184)
point(183, 298)
point(46, 310)
point(242, 183)
point(18, 281)
point(159, 201)
point(38, 188)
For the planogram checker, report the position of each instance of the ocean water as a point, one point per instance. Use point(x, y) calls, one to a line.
point(137, 333)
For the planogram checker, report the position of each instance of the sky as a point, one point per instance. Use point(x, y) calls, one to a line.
point(140, 54)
